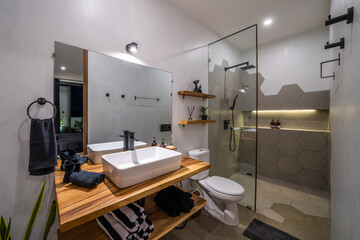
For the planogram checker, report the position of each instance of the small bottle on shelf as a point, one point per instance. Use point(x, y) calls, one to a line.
point(272, 124)
point(278, 124)
point(154, 143)
point(162, 143)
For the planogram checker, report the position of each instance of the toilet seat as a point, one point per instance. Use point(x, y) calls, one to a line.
point(225, 186)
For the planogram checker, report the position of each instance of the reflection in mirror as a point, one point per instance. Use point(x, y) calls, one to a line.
point(120, 96)
point(68, 96)
point(127, 96)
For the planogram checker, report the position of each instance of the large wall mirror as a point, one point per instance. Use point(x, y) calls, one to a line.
point(99, 96)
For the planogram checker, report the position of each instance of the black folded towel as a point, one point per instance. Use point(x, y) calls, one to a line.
point(86, 179)
point(70, 155)
point(43, 150)
point(166, 202)
point(177, 194)
point(181, 197)
point(188, 205)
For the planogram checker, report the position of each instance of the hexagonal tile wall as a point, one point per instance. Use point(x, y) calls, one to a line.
point(312, 141)
point(289, 147)
point(311, 160)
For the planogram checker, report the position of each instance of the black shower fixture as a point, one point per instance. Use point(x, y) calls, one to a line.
point(246, 67)
point(132, 48)
point(349, 17)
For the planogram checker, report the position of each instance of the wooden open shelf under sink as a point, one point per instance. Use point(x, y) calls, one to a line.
point(163, 223)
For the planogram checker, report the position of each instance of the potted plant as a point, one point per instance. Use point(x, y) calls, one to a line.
point(204, 116)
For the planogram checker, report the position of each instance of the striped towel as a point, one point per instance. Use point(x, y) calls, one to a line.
point(127, 223)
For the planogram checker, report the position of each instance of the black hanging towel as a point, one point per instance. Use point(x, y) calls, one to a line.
point(43, 150)
point(43, 147)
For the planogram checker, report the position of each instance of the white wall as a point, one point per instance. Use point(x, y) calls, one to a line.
point(294, 60)
point(168, 39)
point(345, 130)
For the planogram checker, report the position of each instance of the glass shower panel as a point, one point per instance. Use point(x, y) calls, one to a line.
point(232, 140)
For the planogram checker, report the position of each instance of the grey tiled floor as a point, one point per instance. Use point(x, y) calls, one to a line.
point(301, 212)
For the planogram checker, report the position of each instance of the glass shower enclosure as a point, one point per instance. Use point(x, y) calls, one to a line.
point(233, 139)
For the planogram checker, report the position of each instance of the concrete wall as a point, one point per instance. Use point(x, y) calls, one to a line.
point(168, 38)
point(345, 130)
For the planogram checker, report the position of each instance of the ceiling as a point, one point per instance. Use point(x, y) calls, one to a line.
point(290, 17)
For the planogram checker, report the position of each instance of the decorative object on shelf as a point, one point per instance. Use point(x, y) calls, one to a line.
point(191, 112)
point(204, 116)
point(272, 124)
point(349, 17)
point(333, 76)
point(195, 94)
point(278, 124)
point(340, 44)
point(197, 89)
point(154, 143)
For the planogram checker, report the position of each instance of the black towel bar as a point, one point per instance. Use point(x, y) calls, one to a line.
point(41, 101)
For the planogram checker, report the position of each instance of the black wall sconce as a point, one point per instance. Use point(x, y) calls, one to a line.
point(132, 48)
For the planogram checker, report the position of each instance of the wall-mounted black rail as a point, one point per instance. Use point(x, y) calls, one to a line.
point(41, 101)
point(333, 76)
point(340, 44)
point(157, 99)
point(349, 17)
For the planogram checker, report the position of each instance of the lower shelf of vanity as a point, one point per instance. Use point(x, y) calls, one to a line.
point(163, 223)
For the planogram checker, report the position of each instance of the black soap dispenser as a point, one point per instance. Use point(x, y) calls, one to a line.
point(154, 143)
point(273, 124)
point(163, 143)
point(278, 124)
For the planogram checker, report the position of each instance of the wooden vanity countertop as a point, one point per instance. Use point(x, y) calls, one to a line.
point(78, 205)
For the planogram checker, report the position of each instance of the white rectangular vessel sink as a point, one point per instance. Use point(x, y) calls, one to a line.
point(96, 150)
point(131, 167)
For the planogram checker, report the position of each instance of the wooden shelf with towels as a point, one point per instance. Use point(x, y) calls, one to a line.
point(78, 207)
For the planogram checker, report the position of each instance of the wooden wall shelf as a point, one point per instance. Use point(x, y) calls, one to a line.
point(194, 94)
point(163, 223)
point(79, 205)
point(187, 122)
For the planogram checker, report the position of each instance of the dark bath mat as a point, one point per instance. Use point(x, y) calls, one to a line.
point(257, 230)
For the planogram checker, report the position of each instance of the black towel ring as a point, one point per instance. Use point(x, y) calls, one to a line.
point(41, 101)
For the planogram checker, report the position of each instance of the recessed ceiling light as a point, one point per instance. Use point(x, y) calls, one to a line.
point(63, 68)
point(268, 22)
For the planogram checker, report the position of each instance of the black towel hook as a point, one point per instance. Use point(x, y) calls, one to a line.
point(41, 101)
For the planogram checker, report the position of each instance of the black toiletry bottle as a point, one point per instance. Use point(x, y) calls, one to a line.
point(272, 124)
point(162, 143)
point(278, 124)
point(154, 143)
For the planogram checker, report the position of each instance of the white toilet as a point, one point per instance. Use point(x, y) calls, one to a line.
point(221, 194)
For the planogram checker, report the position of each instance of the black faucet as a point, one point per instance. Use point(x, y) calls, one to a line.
point(129, 138)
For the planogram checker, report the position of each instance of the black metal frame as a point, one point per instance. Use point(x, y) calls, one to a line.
point(333, 76)
point(340, 44)
point(349, 17)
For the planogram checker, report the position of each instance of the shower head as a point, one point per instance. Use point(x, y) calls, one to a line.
point(247, 67)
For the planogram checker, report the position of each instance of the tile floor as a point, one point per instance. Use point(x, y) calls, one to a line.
point(301, 212)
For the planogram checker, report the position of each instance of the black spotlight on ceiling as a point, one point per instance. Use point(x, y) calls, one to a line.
point(132, 48)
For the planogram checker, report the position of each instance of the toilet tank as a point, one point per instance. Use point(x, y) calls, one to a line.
point(201, 154)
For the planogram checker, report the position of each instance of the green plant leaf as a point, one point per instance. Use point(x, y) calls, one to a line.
point(3, 227)
point(34, 212)
point(7, 234)
point(50, 220)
